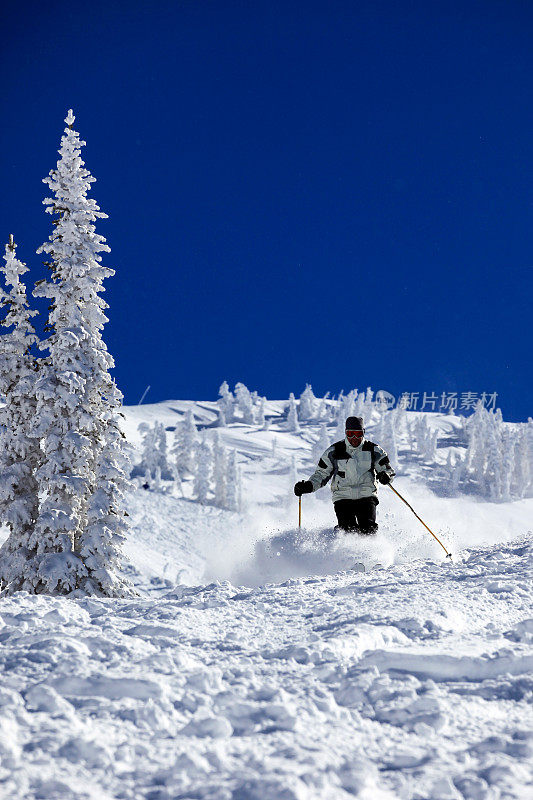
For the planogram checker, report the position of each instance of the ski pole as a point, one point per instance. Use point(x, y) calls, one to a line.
point(300, 512)
point(448, 555)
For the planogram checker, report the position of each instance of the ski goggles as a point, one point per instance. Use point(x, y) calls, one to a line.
point(354, 433)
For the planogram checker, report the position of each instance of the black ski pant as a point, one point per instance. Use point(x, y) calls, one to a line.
point(357, 516)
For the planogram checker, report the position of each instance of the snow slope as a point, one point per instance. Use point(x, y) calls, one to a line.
point(256, 664)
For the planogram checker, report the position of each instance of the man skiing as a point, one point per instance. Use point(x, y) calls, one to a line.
point(354, 464)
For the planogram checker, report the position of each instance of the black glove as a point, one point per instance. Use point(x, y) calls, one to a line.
point(384, 478)
point(303, 487)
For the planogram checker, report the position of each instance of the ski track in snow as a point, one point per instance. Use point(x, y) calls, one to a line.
point(255, 665)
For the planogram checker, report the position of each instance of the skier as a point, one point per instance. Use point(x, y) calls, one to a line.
point(354, 464)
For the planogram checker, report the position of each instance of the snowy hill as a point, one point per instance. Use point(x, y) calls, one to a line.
point(256, 663)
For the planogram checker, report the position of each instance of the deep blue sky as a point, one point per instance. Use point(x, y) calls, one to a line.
point(335, 192)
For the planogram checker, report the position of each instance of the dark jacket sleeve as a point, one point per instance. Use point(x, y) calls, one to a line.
point(382, 463)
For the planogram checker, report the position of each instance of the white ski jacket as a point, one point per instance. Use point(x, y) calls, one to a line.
point(353, 470)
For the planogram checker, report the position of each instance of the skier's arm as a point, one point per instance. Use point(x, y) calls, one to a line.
point(382, 465)
point(323, 472)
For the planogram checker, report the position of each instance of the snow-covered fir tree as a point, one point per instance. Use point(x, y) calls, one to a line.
point(368, 406)
point(161, 443)
point(184, 447)
point(150, 458)
point(359, 405)
point(322, 412)
point(20, 453)
point(306, 407)
point(508, 465)
point(493, 475)
point(453, 473)
point(220, 466)
point(204, 469)
point(106, 524)
point(245, 403)
point(521, 476)
point(292, 415)
point(497, 461)
point(154, 453)
point(426, 440)
point(226, 402)
point(77, 538)
point(457, 474)
point(261, 420)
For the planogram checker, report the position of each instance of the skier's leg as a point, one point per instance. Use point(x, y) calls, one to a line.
point(366, 515)
point(345, 511)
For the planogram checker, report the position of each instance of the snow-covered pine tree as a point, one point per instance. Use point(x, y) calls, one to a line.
point(306, 408)
point(457, 474)
point(161, 444)
point(261, 421)
point(426, 441)
point(226, 402)
point(322, 413)
point(220, 465)
point(508, 463)
point(245, 403)
point(522, 468)
point(78, 535)
point(149, 454)
point(20, 453)
point(154, 450)
point(101, 541)
point(493, 478)
point(359, 405)
point(399, 420)
point(183, 449)
point(431, 446)
point(349, 403)
point(475, 453)
point(204, 469)
point(292, 415)
point(453, 472)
